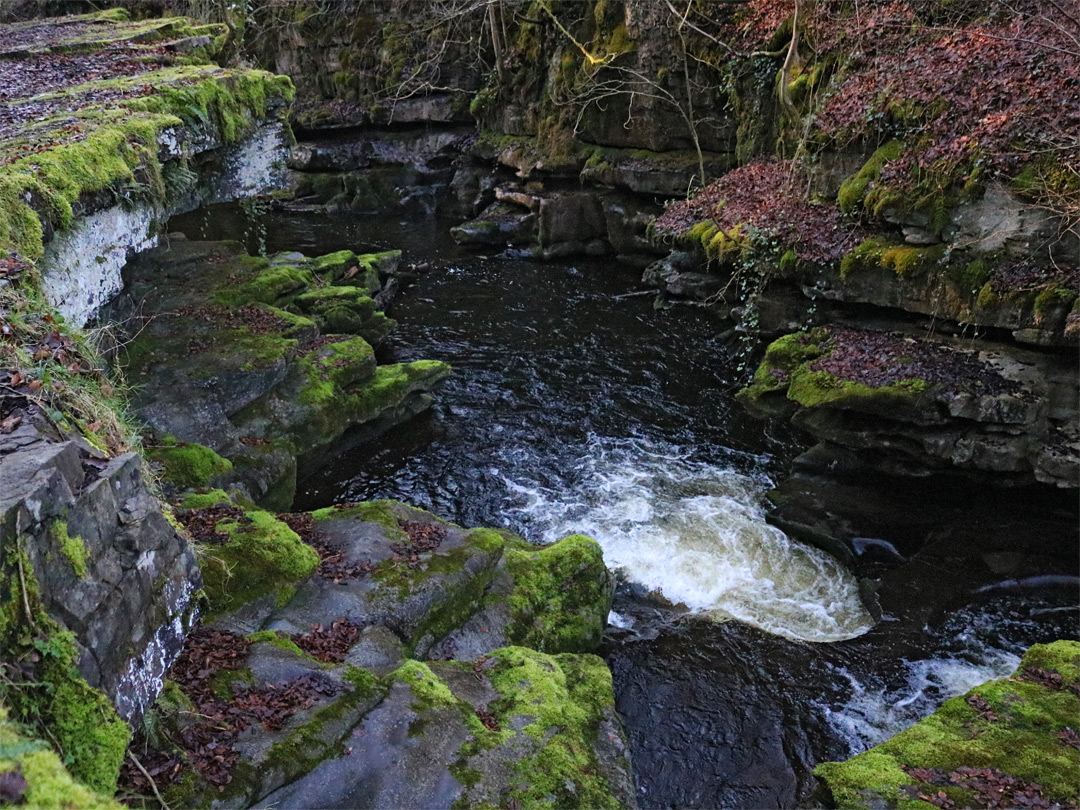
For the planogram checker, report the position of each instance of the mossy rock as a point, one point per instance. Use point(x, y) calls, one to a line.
point(540, 744)
point(1011, 725)
point(905, 261)
point(345, 310)
point(261, 556)
point(853, 191)
point(561, 595)
point(786, 379)
point(58, 702)
point(188, 465)
point(766, 394)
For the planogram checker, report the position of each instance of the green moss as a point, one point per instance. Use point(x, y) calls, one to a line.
point(853, 190)
point(814, 388)
point(73, 548)
point(903, 260)
point(261, 557)
point(1051, 297)
point(172, 702)
point(189, 464)
point(783, 356)
point(334, 367)
point(282, 642)
point(1062, 657)
point(907, 260)
point(858, 782)
point(866, 255)
point(122, 140)
point(561, 596)
point(271, 285)
point(560, 701)
point(204, 500)
point(788, 261)
point(223, 682)
point(334, 265)
point(428, 690)
point(50, 785)
point(1021, 740)
point(1047, 177)
point(382, 512)
point(365, 683)
point(58, 703)
point(988, 297)
point(345, 310)
point(972, 276)
point(345, 390)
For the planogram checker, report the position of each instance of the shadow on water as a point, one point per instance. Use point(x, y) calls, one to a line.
point(573, 409)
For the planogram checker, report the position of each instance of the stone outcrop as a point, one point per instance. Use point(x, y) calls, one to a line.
point(425, 701)
point(108, 565)
point(108, 126)
point(160, 129)
point(914, 404)
point(266, 362)
point(1010, 740)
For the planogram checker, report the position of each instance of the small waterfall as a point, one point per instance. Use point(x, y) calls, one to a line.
point(695, 532)
point(874, 712)
point(139, 687)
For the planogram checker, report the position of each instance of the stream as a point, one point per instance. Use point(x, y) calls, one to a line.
point(741, 657)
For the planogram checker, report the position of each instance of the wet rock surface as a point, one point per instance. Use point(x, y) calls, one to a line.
point(265, 361)
point(109, 566)
point(325, 699)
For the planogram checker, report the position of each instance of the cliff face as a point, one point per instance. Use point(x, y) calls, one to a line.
point(903, 170)
point(107, 127)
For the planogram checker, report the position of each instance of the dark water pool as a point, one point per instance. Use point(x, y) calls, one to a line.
point(574, 408)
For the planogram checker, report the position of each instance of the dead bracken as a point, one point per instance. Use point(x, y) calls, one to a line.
point(332, 562)
point(885, 358)
point(202, 523)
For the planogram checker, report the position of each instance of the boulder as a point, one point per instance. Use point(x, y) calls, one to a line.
point(234, 357)
point(968, 749)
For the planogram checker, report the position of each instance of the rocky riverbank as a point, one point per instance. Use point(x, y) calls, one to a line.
point(1009, 742)
point(917, 284)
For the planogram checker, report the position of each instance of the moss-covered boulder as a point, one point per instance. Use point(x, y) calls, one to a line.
point(247, 556)
point(187, 465)
point(318, 629)
point(1009, 742)
point(918, 402)
point(517, 727)
point(449, 592)
point(264, 362)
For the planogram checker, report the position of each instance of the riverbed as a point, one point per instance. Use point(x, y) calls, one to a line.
point(741, 657)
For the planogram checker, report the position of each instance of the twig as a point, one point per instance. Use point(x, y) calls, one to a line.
point(22, 583)
point(153, 784)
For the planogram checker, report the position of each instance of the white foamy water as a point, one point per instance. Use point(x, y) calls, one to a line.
point(874, 713)
point(696, 533)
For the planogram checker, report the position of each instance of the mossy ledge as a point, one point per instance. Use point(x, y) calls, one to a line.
point(1015, 732)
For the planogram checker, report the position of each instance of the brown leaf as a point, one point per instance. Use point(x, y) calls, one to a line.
point(10, 423)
